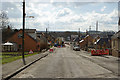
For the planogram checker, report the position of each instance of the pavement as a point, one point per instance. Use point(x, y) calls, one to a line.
point(10, 68)
point(66, 63)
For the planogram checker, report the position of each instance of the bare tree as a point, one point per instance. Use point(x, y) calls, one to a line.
point(3, 20)
point(5, 26)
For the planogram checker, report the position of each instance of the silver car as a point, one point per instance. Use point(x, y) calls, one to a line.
point(76, 48)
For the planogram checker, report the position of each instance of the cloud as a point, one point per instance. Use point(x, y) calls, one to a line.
point(64, 12)
point(61, 0)
point(83, 21)
point(14, 10)
point(61, 17)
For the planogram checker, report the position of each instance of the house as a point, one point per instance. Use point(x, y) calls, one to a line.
point(76, 41)
point(43, 41)
point(115, 44)
point(102, 43)
point(86, 42)
point(31, 42)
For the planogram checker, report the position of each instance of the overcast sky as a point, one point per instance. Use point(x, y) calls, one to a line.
point(64, 16)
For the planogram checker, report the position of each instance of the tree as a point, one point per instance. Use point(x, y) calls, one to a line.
point(3, 20)
point(5, 26)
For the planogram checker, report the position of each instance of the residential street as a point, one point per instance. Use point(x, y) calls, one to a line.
point(66, 63)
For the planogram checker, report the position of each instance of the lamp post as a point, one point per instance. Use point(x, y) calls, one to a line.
point(23, 32)
point(24, 15)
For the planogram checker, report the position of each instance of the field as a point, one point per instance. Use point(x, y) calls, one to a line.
point(6, 57)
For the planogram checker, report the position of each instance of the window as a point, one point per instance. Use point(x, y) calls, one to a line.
point(20, 46)
point(19, 35)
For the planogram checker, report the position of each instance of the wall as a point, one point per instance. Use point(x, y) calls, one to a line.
point(115, 47)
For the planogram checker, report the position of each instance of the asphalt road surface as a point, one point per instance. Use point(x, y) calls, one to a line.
point(65, 63)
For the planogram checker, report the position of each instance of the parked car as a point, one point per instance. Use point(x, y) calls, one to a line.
point(76, 48)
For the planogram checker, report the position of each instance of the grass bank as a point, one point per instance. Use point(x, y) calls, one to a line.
point(8, 58)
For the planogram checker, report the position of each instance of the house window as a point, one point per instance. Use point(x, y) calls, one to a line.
point(19, 35)
point(20, 46)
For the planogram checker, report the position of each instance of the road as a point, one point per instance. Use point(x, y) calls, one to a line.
point(66, 63)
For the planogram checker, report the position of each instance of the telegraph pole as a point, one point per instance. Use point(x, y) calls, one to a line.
point(89, 28)
point(23, 32)
point(97, 26)
point(46, 33)
point(79, 32)
point(79, 36)
point(87, 40)
point(46, 38)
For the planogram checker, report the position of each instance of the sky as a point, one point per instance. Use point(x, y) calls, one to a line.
point(64, 16)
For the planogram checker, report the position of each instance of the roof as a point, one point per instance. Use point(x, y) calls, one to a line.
point(7, 44)
point(76, 39)
point(96, 41)
point(25, 33)
point(81, 41)
point(86, 36)
point(102, 41)
point(31, 37)
point(30, 30)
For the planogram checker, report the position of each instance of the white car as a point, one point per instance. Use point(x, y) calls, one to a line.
point(76, 48)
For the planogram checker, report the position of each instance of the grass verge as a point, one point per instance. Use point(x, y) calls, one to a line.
point(13, 58)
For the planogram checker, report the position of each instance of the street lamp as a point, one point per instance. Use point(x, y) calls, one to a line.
point(24, 15)
point(29, 16)
point(23, 32)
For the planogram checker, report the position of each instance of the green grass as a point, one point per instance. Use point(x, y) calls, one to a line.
point(13, 52)
point(7, 59)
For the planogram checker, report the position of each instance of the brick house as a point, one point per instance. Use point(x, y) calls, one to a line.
point(102, 43)
point(87, 41)
point(30, 43)
point(115, 44)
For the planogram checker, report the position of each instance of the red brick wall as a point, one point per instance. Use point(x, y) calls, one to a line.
point(29, 43)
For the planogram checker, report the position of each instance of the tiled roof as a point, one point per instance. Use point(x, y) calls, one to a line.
point(103, 40)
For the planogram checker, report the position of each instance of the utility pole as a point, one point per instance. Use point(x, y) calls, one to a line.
point(79, 32)
point(87, 40)
point(79, 37)
point(46, 33)
point(46, 38)
point(89, 28)
point(96, 26)
point(118, 42)
point(23, 32)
